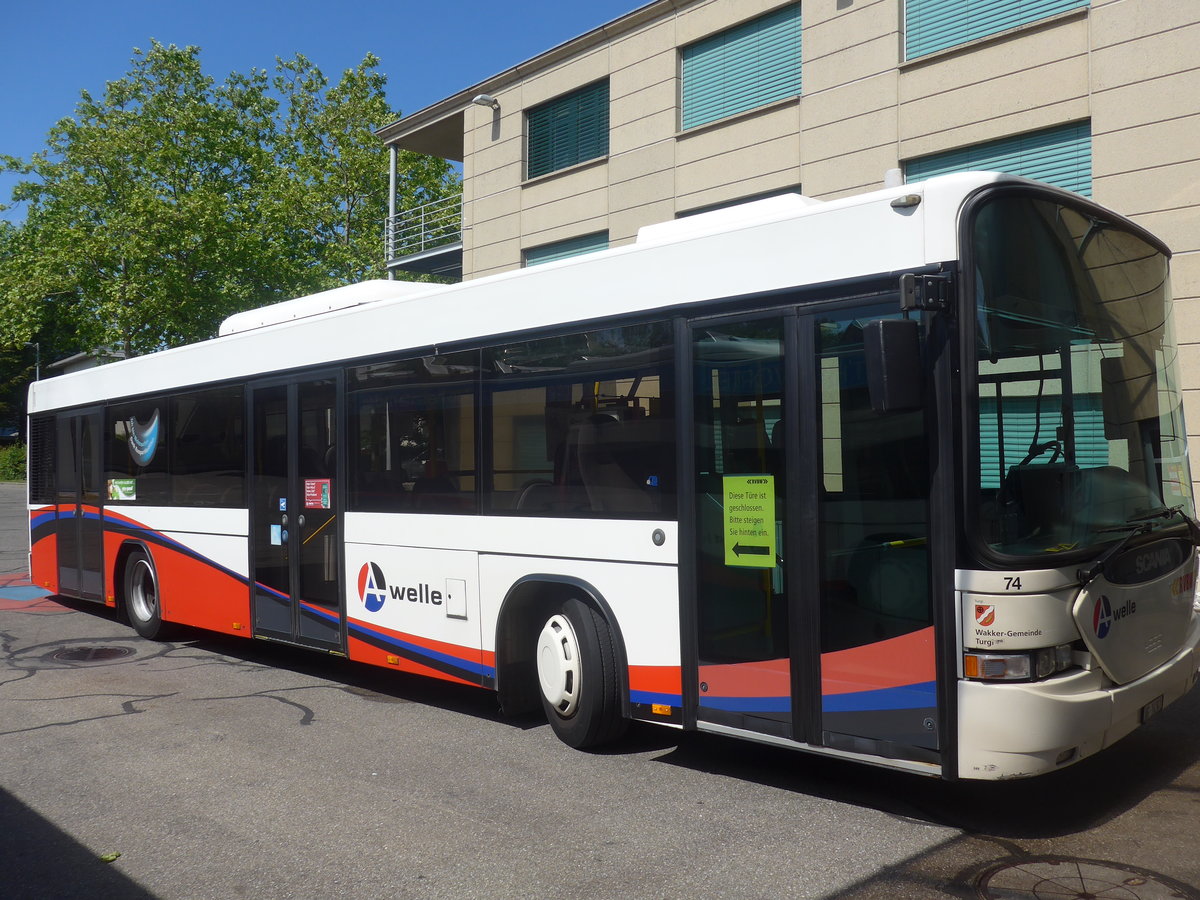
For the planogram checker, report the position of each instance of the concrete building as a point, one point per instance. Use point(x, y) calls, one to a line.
point(684, 105)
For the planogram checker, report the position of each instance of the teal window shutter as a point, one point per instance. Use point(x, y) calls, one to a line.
point(1059, 156)
point(588, 243)
point(745, 67)
point(568, 130)
point(932, 25)
point(1023, 421)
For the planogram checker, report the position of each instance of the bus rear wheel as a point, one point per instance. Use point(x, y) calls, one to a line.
point(577, 676)
point(142, 598)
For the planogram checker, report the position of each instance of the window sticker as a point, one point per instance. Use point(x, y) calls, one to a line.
point(316, 493)
point(143, 439)
point(122, 489)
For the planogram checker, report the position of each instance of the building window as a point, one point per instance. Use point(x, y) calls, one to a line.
point(1059, 156)
point(753, 64)
point(932, 25)
point(568, 130)
point(588, 243)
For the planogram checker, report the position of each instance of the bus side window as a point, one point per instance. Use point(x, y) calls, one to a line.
point(412, 425)
point(582, 425)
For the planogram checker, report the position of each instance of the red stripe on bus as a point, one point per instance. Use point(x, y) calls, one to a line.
point(762, 678)
point(656, 679)
point(899, 661)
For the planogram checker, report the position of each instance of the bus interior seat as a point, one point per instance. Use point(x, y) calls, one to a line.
point(1041, 492)
point(541, 496)
point(435, 489)
point(537, 496)
point(609, 486)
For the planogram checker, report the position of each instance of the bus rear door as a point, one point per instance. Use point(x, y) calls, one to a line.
point(295, 524)
point(79, 526)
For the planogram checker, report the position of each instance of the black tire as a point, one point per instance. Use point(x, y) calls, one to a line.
point(142, 605)
point(577, 676)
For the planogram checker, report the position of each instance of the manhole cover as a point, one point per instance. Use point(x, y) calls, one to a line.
point(1061, 878)
point(91, 654)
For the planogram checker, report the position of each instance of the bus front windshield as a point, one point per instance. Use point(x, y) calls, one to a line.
point(1080, 436)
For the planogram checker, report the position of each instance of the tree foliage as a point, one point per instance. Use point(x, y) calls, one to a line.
point(173, 200)
point(325, 150)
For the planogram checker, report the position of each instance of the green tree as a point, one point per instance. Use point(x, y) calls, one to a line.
point(145, 223)
point(335, 168)
point(174, 201)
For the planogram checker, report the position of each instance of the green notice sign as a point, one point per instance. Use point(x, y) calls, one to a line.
point(749, 520)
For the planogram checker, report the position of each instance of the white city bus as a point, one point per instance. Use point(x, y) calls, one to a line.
point(900, 478)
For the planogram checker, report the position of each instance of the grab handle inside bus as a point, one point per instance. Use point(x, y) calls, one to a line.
point(893, 358)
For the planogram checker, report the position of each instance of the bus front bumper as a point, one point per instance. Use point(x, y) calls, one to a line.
point(1018, 730)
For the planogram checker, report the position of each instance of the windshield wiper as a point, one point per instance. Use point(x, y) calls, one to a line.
point(1132, 529)
point(1137, 524)
point(1170, 512)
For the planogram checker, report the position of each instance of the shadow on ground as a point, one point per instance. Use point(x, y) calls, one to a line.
point(40, 861)
point(1075, 799)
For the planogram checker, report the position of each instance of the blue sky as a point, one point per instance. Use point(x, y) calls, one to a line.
point(429, 50)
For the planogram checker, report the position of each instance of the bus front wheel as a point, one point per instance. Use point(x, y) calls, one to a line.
point(142, 599)
point(577, 676)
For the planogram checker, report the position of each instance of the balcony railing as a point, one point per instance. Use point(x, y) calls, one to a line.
point(423, 228)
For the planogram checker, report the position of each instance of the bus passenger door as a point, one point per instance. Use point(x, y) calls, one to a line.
point(810, 563)
point(80, 529)
point(295, 506)
point(877, 649)
point(746, 668)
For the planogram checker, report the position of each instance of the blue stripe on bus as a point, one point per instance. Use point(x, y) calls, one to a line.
point(318, 612)
point(909, 696)
point(649, 698)
point(40, 519)
point(416, 650)
point(748, 704)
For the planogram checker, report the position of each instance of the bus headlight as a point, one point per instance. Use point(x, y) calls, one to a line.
point(1027, 665)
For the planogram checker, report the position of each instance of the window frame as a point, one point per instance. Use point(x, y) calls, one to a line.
point(1072, 172)
point(719, 52)
point(547, 151)
point(990, 16)
point(564, 249)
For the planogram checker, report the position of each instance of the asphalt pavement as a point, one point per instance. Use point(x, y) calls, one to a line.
point(14, 530)
point(213, 767)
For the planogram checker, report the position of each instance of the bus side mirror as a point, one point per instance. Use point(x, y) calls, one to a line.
point(893, 357)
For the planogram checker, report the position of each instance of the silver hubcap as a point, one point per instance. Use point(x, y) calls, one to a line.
point(558, 665)
point(143, 591)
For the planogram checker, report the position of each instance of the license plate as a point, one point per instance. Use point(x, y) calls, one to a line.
point(1152, 708)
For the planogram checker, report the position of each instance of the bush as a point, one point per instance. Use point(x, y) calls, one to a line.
point(12, 462)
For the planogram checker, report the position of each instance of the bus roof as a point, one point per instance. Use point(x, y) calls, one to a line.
point(765, 245)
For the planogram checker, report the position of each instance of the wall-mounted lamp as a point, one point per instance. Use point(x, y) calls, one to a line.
point(486, 100)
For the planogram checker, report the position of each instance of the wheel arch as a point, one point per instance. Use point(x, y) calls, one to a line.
point(522, 612)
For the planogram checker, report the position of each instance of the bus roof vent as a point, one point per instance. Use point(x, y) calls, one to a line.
point(326, 301)
point(768, 209)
